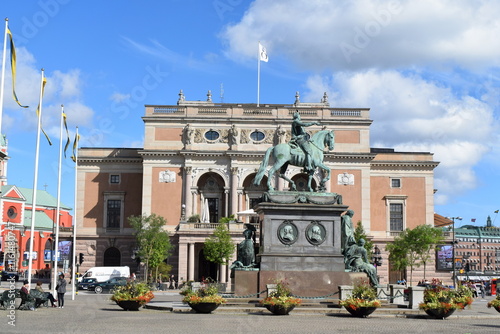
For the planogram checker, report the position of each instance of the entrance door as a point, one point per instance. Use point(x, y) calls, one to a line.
point(206, 269)
point(213, 208)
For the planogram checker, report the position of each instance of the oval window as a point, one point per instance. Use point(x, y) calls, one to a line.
point(211, 135)
point(257, 135)
point(12, 212)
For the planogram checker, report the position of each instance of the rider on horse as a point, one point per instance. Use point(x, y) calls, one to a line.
point(299, 137)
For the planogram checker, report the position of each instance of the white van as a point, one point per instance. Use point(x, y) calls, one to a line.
point(102, 274)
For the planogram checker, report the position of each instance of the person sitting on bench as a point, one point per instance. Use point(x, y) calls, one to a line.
point(27, 301)
point(46, 295)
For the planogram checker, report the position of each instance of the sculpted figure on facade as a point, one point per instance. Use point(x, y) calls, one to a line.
point(188, 134)
point(280, 135)
point(233, 136)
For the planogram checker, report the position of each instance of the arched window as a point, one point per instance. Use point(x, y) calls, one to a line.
point(112, 257)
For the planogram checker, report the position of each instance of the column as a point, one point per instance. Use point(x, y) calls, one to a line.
point(187, 191)
point(240, 198)
point(281, 184)
point(223, 273)
point(194, 201)
point(233, 190)
point(226, 202)
point(191, 262)
point(182, 269)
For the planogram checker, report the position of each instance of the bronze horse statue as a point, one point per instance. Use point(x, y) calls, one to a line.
point(285, 154)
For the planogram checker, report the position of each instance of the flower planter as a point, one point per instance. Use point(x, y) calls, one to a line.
point(204, 307)
point(279, 309)
point(497, 308)
point(360, 312)
point(129, 305)
point(440, 313)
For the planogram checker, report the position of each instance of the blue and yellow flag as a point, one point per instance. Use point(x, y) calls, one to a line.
point(38, 110)
point(68, 141)
point(13, 67)
point(75, 145)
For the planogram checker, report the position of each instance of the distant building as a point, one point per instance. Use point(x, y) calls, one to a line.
point(17, 211)
point(478, 250)
point(198, 163)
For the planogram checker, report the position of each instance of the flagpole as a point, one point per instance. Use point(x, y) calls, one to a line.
point(35, 182)
point(258, 75)
point(4, 55)
point(74, 216)
point(58, 210)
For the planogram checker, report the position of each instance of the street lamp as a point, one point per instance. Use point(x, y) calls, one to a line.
point(376, 258)
point(453, 245)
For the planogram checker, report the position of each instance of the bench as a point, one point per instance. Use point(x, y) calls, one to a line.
point(34, 300)
point(9, 298)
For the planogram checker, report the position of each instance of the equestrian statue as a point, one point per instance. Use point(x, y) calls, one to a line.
point(300, 151)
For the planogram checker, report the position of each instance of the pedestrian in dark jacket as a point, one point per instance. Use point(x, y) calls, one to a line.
point(61, 290)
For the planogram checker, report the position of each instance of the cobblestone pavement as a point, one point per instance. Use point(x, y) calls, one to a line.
point(91, 313)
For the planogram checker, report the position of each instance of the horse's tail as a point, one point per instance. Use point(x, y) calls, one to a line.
point(262, 168)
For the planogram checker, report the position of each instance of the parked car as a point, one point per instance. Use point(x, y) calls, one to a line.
point(99, 287)
point(7, 275)
point(84, 285)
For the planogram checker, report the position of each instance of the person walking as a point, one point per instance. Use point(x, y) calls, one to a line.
point(61, 290)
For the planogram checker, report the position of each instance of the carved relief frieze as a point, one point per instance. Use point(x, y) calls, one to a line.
point(345, 179)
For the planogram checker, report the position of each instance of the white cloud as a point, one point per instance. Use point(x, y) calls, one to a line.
point(62, 88)
point(414, 115)
point(427, 69)
point(323, 34)
point(119, 97)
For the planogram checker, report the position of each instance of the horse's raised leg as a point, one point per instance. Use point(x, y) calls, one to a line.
point(327, 170)
point(284, 177)
point(277, 165)
point(309, 180)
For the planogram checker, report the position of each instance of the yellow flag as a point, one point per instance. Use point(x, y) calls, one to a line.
point(13, 68)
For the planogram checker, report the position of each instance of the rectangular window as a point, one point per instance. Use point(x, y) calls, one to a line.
point(396, 216)
point(114, 208)
point(114, 179)
point(395, 183)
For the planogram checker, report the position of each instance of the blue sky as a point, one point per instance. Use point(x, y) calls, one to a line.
point(429, 71)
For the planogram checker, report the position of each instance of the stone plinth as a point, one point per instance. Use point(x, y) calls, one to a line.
point(311, 283)
point(300, 236)
point(246, 282)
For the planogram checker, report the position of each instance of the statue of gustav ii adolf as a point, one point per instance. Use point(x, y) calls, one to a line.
point(300, 151)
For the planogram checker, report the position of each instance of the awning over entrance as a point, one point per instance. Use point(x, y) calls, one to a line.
point(475, 278)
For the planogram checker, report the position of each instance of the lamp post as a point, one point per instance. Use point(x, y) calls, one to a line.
point(453, 250)
point(376, 258)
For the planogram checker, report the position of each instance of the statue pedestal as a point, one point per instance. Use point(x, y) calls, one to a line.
point(300, 240)
point(300, 237)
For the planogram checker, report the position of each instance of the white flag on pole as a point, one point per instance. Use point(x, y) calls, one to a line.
point(263, 53)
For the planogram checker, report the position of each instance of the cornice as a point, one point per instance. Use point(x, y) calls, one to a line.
point(89, 160)
point(404, 164)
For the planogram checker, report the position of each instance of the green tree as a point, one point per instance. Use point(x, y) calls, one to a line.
point(428, 238)
point(359, 233)
point(219, 247)
point(153, 241)
point(412, 248)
